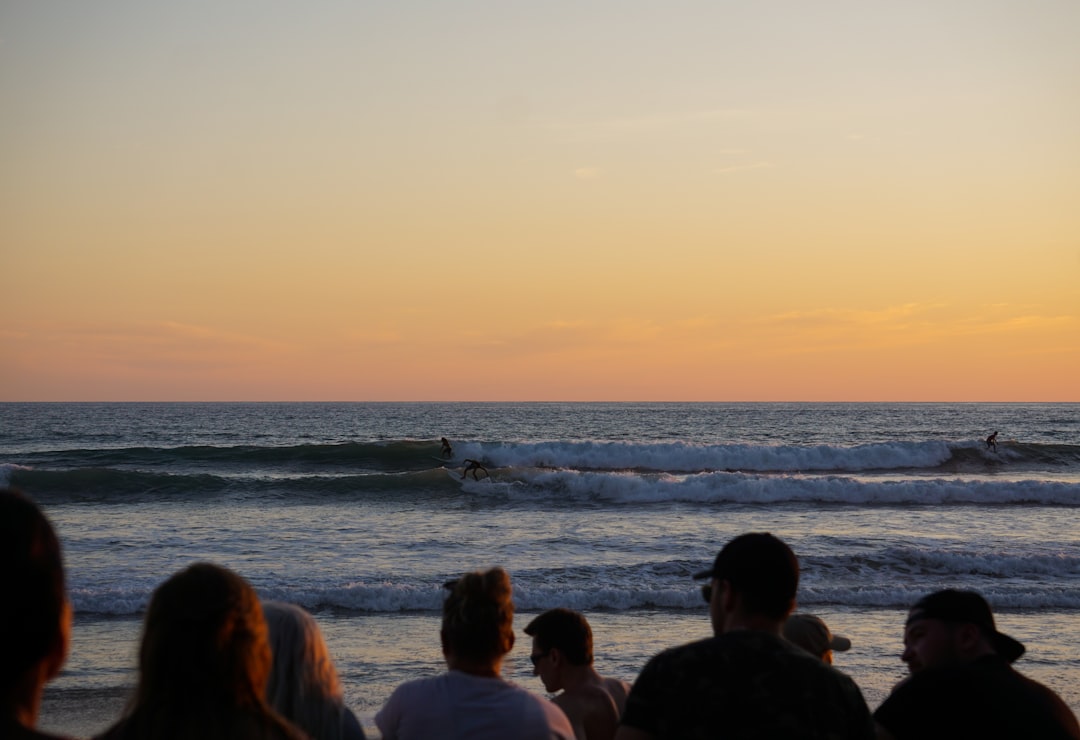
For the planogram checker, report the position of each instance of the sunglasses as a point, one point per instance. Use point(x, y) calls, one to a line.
point(536, 658)
point(706, 593)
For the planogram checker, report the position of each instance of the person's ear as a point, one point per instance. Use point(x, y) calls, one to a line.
point(728, 597)
point(968, 637)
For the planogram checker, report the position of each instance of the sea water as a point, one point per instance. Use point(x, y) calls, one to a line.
point(348, 510)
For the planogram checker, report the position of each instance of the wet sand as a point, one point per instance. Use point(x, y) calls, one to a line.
point(80, 713)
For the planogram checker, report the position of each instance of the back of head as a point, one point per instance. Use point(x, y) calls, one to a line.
point(303, 686)
point(814, 636)
point(762, 570)
point(566, 630)
point(32, 574)
point(478, 616)
point(204, 647)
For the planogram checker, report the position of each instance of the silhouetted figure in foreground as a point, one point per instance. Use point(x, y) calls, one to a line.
point(562, 656)
point(304, 686)
point(35, 621)
point(471, 701)
point(814, 636)
point(204, 661)
point(962, 683)
point(746, 681)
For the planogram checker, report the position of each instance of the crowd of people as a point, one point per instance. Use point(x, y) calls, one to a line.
point(216, 663)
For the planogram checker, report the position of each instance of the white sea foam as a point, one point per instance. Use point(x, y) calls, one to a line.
point(6, 470)
point(684, 457)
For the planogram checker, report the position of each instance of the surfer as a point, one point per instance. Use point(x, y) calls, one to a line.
point(471, 466)
point(447, 450)
point(991, 442)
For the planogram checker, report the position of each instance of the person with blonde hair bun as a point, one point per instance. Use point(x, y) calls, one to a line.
point(204, 661)
point(304, 686)
point(472, 700)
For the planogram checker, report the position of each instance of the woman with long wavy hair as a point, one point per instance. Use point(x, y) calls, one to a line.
point(204, 661)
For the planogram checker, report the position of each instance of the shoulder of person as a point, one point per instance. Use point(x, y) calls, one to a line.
point(557, 721)
point(350, 726)
point(1055, 706)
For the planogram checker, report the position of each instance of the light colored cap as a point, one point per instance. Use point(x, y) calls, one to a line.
point(813, 635)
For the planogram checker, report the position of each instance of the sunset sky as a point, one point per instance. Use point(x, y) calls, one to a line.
point(546, 200)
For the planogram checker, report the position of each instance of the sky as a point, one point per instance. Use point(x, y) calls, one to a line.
point(245, 200)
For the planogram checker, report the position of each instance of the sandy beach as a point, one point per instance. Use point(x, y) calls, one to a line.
point(80, 714)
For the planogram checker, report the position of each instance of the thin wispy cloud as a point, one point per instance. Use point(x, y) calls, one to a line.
point(912, 324)
point(849, 317)
point(644, 124)
point(744, 167)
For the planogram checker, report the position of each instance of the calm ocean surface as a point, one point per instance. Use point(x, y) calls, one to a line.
point(606, 508)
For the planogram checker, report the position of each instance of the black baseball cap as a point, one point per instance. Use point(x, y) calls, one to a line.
point(761, 566)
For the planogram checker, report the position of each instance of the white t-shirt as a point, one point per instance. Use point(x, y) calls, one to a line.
point(457, 705)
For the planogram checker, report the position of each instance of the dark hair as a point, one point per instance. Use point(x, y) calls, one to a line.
point(32, 578)
point(761, 569)
point(203, 662)
point(478, 615)
point(566, 630)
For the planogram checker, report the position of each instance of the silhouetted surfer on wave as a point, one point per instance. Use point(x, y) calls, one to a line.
point(991, 442)
point(472, 466)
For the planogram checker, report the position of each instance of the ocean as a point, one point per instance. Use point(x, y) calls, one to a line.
point(608, 508)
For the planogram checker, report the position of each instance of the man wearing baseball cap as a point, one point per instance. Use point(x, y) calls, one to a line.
point(962, 683)
point(746, 681)
point(813, 635)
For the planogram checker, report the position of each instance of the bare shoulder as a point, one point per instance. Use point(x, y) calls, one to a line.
point(591, 710)
point(618, 690)
point(586, 698)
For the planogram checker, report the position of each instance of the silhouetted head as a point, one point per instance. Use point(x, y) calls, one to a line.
point(951, 627)
point(304, 686)
point(566, 630)
point(204, 641)
point(478, 616)
point(762, 570)
point(34, 620)
point(814, 636)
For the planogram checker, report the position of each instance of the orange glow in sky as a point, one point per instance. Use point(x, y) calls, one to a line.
point(783, 200)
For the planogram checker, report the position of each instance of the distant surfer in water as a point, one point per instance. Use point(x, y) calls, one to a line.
point(991, 442)
point(471, 466)
point(447, 450)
